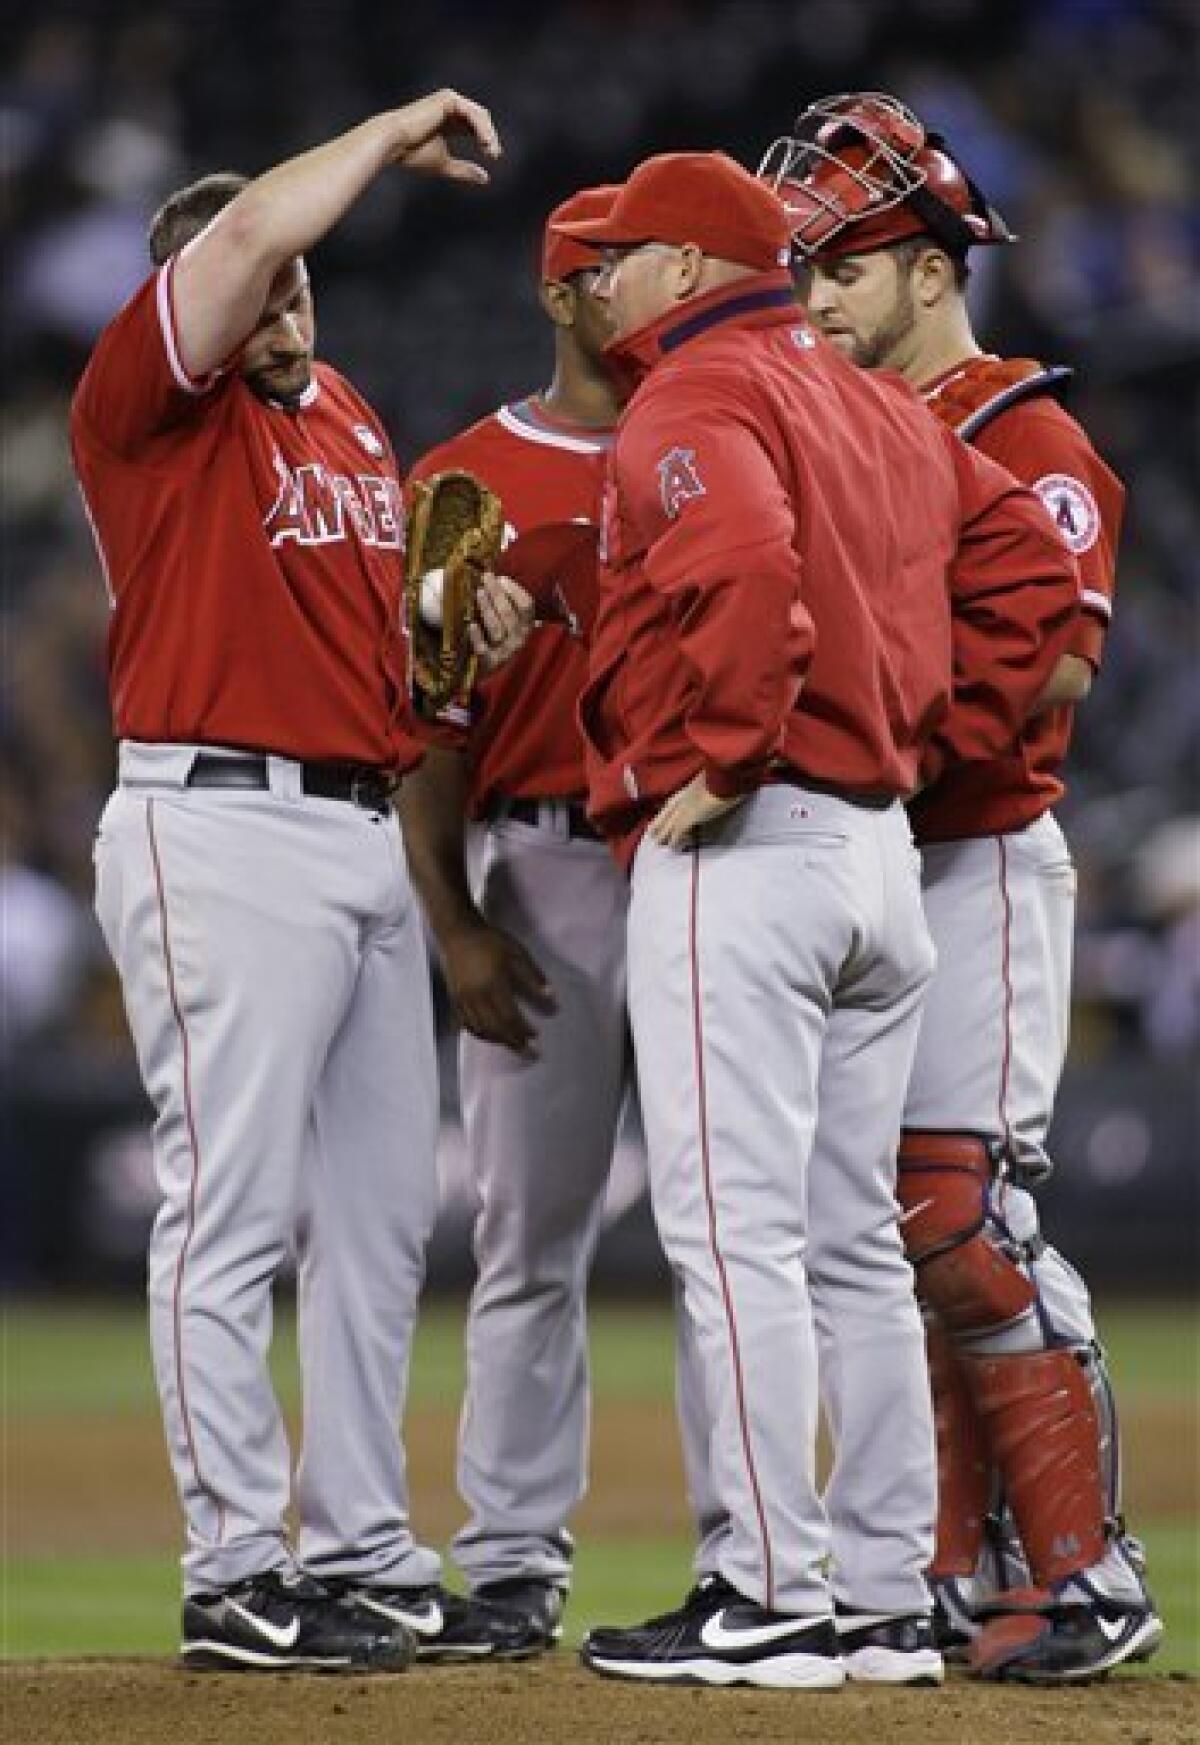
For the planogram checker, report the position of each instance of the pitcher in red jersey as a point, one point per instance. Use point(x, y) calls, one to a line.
point(534, 958)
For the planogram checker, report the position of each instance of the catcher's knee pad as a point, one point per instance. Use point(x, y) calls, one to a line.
point(1043, 1433)
point(942, 1184)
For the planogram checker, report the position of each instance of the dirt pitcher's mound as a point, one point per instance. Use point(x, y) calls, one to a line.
point(554, 1702)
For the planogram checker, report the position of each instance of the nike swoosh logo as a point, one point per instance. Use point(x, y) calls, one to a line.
point(426, 1619)
point(914, 1211)
point(1112, 1632)
point(279, 1635)
point(714, 1634)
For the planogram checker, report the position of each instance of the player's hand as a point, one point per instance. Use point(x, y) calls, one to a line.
point(489, 974)
point(427, 131)
point(687, 810)
point(504, 617)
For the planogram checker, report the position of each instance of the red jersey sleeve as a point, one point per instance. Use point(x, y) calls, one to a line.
point(1044, 447)
point(135, 386)
point(706, 505)
point(1015, 603)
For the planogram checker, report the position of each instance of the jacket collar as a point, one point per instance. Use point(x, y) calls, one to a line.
point(759, 300)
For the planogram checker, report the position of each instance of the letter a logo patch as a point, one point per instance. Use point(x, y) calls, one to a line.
point(678, 479)
point(1072, 509)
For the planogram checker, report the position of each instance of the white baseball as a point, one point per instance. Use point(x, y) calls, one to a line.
point(432, 583)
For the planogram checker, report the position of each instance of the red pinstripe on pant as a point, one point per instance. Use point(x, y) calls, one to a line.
point(713, 1240)
point(194, 1184)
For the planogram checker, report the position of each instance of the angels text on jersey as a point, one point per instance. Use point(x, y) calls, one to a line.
point(319, 507)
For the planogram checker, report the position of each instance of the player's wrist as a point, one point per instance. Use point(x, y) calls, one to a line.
point(727, 784)
point(465, 928)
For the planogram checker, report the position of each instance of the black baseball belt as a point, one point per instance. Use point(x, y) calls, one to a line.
point(874, 799)
point(541, 812)
point(358, 784)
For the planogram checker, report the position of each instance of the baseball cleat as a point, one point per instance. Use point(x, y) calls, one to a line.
point(954, 1620)
point(1064, 1643)
point(718, 1636)
point(539, 1604)
point(887, 1648)
point(282, 1621)
point(447, 1626)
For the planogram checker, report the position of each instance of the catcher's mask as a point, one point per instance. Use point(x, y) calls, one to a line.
point(859, 172)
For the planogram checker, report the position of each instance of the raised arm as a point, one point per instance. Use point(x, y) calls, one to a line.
point(222, 278)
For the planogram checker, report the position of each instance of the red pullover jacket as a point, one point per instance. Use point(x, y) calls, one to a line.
point(779, 529)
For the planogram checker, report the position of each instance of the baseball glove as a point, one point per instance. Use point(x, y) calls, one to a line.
point(456, 525)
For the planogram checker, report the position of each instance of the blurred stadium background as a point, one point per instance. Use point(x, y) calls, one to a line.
point(1075, 115)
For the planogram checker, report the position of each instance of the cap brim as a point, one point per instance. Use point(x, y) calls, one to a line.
point(597, 232)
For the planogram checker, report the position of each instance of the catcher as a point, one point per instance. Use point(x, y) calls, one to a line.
point(883, 219)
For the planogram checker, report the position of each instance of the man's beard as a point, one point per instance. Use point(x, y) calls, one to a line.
point(265, 385)
point(874, 353)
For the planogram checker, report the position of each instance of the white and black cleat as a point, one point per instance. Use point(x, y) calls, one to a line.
point(886, 1648)
point(954, 1622)
point(1065, 1643)
point(719, 1637)
point(537, 1602)
point(282, 1621)
point(448, 1626)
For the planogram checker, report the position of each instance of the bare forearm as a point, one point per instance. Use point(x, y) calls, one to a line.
point(432, 809)
point(223, 277)
point(289, 209)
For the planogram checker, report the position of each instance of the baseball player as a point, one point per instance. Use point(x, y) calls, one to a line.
point(252, 889)
point(885, 218)
point(535, 964)
point(772, 653)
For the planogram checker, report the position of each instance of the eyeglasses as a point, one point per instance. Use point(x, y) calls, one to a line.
point(584, 277)
point(611, 258)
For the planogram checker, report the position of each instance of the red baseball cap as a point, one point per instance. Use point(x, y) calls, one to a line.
point(563, 255)
point(701, 197)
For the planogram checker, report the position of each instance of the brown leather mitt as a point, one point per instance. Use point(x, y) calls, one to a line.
point(455, 525)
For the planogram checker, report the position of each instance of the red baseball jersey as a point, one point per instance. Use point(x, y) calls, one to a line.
point(524, 740)
point(253, 552)
point(778, 535)
point(1043, 446)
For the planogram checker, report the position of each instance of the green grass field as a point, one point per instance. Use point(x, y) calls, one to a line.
point(86, 1364)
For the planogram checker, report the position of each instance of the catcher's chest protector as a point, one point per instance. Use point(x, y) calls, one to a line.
point(989, 386)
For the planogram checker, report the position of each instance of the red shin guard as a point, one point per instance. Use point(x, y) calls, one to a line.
point(1042, 1432)
point(964, 1482)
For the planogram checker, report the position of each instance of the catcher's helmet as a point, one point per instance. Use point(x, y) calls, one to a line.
point(859, 172)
